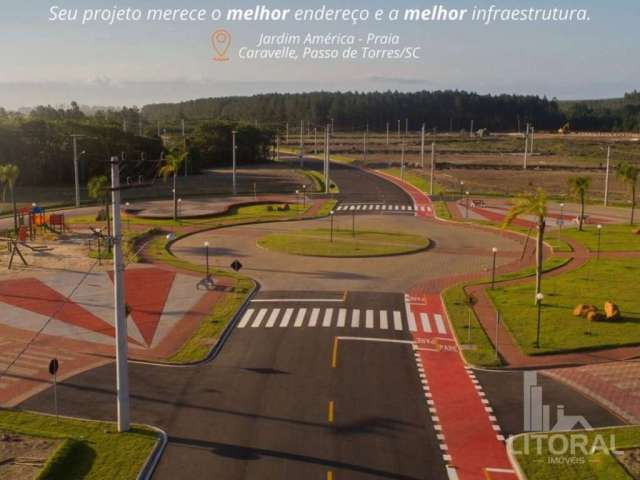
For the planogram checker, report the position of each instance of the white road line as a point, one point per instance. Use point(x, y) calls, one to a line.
point(352, 207)
point(378, 207)
point(328, 314)
point(342, 317)
point(440, 324)
point(426, 326)
point(369, 319)
point(295, 300)
point(403, 207)
point(358, 207)
point(410, 207)
point(395, 207)
point(245, 318)
point(384, 207)
point(411, 318)
point(300, 317)
point(258, 320)
point(384, 321)
point(370, 207)
point(273, 317)
point(355, 318)
point(397, 320)
point(286, 317)
point(313, 320)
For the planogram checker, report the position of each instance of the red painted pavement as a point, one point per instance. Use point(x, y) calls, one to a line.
point(146, 292)
point(33, 295)
point(473, 448)
point(421, 202)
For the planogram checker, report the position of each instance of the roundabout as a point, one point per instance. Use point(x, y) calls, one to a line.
point(323, 242)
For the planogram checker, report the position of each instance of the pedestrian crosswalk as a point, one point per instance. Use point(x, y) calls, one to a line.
point(324, 317)
point(380, 208)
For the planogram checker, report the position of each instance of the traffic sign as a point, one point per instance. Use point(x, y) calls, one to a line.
point(236, 265)
point(53, 366)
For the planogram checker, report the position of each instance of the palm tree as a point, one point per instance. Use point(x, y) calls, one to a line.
point(532, 204)
point(629, 174)
point(98, 189)
point(8, 176)
point(579, 186)
point(172, 164)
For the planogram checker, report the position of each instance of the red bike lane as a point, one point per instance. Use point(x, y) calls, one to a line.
point(470, 439)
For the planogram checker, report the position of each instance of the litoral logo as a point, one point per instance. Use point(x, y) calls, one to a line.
point(221, 40)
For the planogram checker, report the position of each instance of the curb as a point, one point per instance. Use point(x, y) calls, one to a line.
point(512, 456)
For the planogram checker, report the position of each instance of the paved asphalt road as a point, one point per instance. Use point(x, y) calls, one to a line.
point(261, 409)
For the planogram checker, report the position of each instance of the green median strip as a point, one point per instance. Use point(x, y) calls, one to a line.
point(88, 450)
point(319, 243)
point(613, 238)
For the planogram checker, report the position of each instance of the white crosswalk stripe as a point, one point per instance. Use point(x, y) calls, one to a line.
point(440, 324)
point(367, 207)
point(327, 317)
point(328, 314)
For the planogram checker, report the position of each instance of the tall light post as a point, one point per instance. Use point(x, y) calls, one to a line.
point(206, 256)
point(606, 178)
point(233, 160)
point(422, 146)
point(76, 168)
point(599, 236)
point(526, 146)
point(179, 205)
point(402, 160)
point(433, 167)
point(301, 143)
point(298, 201)
point(331, 214)
point(539, 299)
point(461, 187)
point(494, 251)
point(466, 212)
point(561, 216)
point(122, 373)
point(126, 210)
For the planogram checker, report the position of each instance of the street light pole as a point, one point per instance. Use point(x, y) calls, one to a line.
point(402, 160)
point(433, 167)
point(606, 178)
point(539, 298)
point(75, 169)
point(206, 253)
point(599, 235)
point(331, 214)
point(494, 250)
point(233, 160)
point(422, 147)
point(122, 374)
point(466, 214)
point(561, 216)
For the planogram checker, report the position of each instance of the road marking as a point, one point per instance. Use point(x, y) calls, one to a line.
point(440, 324)
point(378, 207)
point(384, 321)
point(397, 320)
point(384, 207)
point(286, 317)
point(295, 300)
point(245, 318)
point(300, 318)
point(404, 207)
point(330, 411)
point(342, 317)
point(273, 317)
point(424, 319)
point(329, 475)
point(411, 319)
point(328, 314)
point(355, 318)
point(352, 207)
point(369, 319)
point(313, 320)
point(334, 353)
point(258, 320)
point(358, 207)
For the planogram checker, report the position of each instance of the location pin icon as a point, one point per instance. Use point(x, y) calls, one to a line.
point(220, 40)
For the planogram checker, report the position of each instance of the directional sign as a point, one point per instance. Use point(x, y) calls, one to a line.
point(53, 366)
point(236, 265)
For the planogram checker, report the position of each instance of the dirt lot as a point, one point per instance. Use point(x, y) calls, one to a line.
point(22, 457)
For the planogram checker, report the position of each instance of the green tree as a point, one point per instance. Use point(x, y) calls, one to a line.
point(579, 186)
point(532, 204)
point(171, 167)
point(8, 176)
point(629, 174)
point(98, 189)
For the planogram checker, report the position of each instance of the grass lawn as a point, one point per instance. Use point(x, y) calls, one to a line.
point(483, 354)
point(594, 283)
point(96, 450)
point(442, 210)
point(540, 464)
point(410, 176)
point(316, 242)
point(613, 238)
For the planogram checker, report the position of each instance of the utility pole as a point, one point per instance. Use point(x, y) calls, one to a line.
point(533, 133)
point(277, 148)
point(422, 146)
point(387, 133)
point(233, 160)
point(433, 166)
point(402, 160)
point(471, 128)
point(301, 144)
point(398, 128)
point(526, 144)
point(364, 146)
point(606, 178)
point(184, 146)
point(122, 374)
point(75, 169)
point(315, 140)
point(327, 154)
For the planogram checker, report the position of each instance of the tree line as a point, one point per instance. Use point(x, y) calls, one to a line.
point(442, 110)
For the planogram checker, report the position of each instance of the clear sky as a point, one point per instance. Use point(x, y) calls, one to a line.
point(135, 64)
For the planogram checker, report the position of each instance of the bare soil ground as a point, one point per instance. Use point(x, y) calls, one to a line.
point(22, 457)
point(631, 461)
